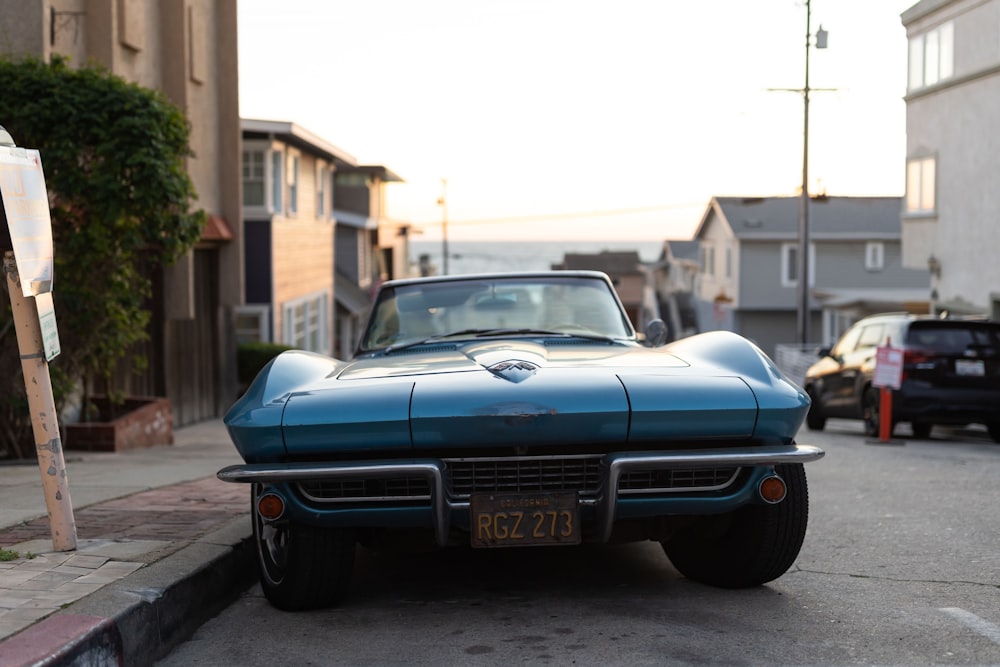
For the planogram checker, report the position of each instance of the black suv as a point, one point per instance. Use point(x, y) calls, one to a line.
point(951, 374)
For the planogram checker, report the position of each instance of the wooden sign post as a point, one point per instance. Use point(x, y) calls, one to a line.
point(28, 268)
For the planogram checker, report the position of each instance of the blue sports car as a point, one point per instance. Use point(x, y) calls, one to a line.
point(520, 410)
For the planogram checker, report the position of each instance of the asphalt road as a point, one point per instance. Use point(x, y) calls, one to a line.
point(901, 566)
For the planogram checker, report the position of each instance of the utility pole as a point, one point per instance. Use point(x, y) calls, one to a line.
point(802, 264)
point(802, 328)
point(443, 203)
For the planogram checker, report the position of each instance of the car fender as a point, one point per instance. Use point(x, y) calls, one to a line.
point(254, 421)
point(782, 404)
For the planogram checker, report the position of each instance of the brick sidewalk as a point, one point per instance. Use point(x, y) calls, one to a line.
point(115, 538)
point(172, 513)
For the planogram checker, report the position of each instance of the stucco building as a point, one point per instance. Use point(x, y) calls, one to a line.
point(186, 49)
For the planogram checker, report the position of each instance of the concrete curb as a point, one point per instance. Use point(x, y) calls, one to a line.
point(142, 617)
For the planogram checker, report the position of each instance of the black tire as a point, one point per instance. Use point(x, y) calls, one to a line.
point(870, 409)
point(815, 419)
point(302, 567)
point(921, 430)
point(750, 546)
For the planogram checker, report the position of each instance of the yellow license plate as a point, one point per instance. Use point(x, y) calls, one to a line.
point(524, 519)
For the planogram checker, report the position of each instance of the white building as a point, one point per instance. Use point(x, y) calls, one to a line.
point(951, 212)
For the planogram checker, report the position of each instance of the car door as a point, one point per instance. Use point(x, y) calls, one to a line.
point(846, 383)
point(825, 375)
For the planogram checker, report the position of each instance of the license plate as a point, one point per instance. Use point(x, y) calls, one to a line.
point(970, 367)
point(524, 519)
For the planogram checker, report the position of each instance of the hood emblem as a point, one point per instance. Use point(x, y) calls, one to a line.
point(513, 370)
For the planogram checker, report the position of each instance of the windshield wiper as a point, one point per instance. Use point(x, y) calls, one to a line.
point(434, 339)
point(487, 333)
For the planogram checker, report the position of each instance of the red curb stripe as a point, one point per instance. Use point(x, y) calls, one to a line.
point(62, 639)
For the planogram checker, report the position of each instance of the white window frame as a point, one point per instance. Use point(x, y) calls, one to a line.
point(292, 172)
point(262, 332)
point(874, 256)
point(254, 170)
point(277, 181)
point(322, 178)
point(708, 259)
point(789, 262)
point(273, 157)
point(308, 329)
point(932, 56)
point(921, 183)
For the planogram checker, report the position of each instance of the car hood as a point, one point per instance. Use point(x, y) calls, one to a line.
point(512, 392)
point(456, 358)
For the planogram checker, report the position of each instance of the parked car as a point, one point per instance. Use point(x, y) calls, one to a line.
point(951, 374)
point(520, 410)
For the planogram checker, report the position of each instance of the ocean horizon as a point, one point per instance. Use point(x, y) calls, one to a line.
point(501, 256)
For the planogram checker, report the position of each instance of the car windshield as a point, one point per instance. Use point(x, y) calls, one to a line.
point(413, 313)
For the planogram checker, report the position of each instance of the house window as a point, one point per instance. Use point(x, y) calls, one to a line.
point(304, 322)
point(293, 184)
point(920, 184)
point(790, 264)
point(708, 260)
point(729, 263)
point(321, 181)
point(932, 56)
point(874, 256)
point(253, 178)
point(251, 324)
point(277, 181)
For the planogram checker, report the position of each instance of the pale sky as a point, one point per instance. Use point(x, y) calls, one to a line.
point(555, 119)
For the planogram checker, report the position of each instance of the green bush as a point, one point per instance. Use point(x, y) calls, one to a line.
point(252, 357)
point(115, 157)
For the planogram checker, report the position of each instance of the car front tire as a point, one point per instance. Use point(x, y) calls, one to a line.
point(302, 567)
point(749, 546)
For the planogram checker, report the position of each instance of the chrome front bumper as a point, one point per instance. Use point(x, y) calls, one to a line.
point(433, 470)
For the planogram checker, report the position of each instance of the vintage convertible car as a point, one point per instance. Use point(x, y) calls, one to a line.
point(514, 410)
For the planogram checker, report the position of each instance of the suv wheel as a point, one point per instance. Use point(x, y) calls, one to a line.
point(871, 406)
point(815, 419)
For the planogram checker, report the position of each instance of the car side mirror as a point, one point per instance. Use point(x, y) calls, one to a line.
point(656, 333)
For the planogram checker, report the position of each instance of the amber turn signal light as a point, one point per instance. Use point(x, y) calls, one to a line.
point(772, 489)
point(270, 506)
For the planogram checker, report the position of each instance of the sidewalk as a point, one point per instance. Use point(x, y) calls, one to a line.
point(162, 545)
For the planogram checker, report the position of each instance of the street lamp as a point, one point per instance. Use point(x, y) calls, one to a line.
point(803, 290)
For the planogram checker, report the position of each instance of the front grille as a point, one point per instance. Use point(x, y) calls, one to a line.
point(465, 476)
point(359, 489)
point(538, 473)
point(676, 479)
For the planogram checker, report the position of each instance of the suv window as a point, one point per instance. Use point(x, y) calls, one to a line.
point(954, 338)
point(872, 336)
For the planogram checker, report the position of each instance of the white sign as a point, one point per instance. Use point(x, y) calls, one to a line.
point(888, 367)
point(26, 203)
point(47, 323)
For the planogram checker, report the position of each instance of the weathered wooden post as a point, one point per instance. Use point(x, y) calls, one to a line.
point(28, 268)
